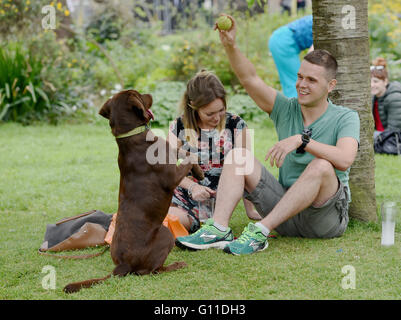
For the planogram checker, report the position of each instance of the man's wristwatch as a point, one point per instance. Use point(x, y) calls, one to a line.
point(306, 135)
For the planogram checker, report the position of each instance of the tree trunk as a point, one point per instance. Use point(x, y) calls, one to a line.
point(341, 27)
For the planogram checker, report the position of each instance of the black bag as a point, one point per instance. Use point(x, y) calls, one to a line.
point(389, 142)
point(78, 232)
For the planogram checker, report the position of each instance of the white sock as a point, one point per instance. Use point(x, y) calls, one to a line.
point(220, 227)
point(264, 229)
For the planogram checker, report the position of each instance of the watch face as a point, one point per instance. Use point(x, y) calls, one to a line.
point(306, 134)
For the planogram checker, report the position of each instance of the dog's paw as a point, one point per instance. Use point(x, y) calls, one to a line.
point(197, 172)
point(172, 267)
point(179, 265)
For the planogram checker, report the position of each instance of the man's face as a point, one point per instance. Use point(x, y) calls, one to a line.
point(312, 84)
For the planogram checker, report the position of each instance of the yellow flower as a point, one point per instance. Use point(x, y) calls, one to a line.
point(66, 12)
point(59, 6)
point(28, 2)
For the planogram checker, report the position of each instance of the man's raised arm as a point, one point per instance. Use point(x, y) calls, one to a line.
point(260, 92)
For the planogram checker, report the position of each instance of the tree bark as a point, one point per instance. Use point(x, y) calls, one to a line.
point(341, 27)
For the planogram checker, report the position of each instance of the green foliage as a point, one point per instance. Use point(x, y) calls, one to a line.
point(385, 34)
point(194, 51)
point(25, 16)
point(246, 108)
point(105, 27)
point(60, 78)
point(166, 98)
point(41, 81)
point(22, 92)
point(252, 2)
point(140, 58)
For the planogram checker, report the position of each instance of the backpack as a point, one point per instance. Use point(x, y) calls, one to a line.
point(388, 142)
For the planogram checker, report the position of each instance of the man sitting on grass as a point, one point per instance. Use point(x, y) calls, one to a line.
point(318, 142)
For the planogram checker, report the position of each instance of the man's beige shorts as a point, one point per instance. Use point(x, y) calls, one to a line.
point(328, 221)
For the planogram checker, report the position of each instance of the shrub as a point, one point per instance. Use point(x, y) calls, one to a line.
point(22, 93)
point(40, 80)
point(166, 98)
point(246, 108)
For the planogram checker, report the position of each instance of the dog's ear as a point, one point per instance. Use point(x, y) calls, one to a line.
point(105, 110)
point(147, 100)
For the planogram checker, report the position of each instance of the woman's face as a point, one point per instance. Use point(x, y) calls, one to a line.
point(378, 86)
point(211, 114)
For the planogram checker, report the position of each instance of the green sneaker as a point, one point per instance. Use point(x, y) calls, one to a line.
point(251, 240)
point(206, 237)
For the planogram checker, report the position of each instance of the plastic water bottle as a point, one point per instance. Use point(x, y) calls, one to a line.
point(389, 213)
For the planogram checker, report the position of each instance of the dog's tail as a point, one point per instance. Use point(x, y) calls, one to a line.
point(76, 286)
point(120, 270)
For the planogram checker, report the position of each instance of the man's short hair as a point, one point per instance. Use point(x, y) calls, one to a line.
point(324, 59)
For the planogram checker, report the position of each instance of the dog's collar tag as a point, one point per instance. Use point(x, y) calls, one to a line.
point(134, 131)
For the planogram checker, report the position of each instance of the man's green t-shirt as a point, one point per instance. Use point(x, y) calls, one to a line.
point(337, 122)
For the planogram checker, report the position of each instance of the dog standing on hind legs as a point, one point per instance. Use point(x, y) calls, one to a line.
point(140, 242)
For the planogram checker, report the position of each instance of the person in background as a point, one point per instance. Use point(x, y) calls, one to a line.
point(285, 44)
point(386, 98)
point(286, 6)
point(301, 4)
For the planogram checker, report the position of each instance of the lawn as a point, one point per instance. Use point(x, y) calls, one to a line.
point(51, 172)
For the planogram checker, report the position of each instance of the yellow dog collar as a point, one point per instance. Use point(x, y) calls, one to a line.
point(133, 132)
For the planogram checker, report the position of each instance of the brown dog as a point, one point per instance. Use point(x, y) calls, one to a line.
point(140, 242)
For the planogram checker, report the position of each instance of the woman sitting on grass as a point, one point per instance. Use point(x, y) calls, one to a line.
point(386, 98)
point(204, 128)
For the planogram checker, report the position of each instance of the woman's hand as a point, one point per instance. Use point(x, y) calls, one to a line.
point(201, 193)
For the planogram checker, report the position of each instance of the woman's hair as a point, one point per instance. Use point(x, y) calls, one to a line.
point(379, 69)
point(202, 89)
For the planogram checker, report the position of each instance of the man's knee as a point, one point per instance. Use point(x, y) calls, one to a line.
point(321, 167)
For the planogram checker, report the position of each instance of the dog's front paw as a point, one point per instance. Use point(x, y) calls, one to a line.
point(197, 172)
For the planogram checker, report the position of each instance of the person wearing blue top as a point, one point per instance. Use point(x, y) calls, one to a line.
point(285, 45)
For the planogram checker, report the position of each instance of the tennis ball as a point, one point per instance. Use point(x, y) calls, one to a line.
point(224, 23)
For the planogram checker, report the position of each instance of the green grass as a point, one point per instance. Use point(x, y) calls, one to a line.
point(48, 172)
